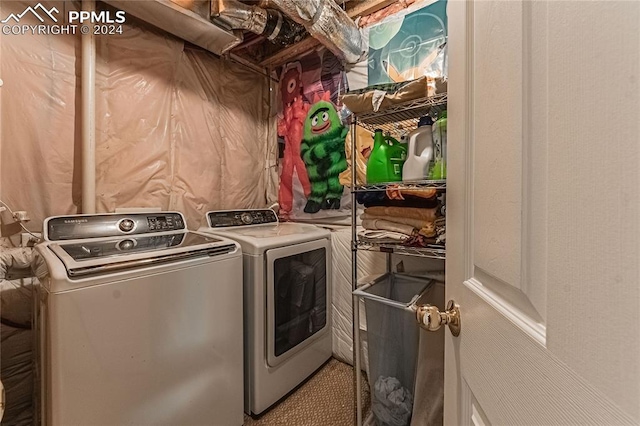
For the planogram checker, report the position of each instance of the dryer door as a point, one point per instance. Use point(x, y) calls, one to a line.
point(298, 297)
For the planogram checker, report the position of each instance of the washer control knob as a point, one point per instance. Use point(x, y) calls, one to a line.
point(246, 218)
point(126, 245)
point(126, 225)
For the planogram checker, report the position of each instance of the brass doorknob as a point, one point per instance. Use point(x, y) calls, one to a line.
point(431, 319)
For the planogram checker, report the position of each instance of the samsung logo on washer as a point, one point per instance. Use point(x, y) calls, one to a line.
point(76, 221)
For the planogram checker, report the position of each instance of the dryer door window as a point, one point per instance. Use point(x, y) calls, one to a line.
point(298, 300)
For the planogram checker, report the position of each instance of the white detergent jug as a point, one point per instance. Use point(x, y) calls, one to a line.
point(420, 151)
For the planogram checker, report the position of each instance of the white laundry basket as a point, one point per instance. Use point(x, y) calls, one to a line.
point(393, 342)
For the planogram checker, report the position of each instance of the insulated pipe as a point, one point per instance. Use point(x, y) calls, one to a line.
point(88, 78)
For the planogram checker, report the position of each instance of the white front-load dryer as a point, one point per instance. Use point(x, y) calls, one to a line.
point(287, 300)
point(140, 323)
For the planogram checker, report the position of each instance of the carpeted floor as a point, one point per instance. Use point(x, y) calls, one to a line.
point(326, 399)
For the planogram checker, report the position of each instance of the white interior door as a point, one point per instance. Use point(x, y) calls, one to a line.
point(543, 202)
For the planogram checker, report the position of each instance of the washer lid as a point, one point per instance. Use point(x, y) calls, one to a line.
point(257, 239)
point(101, 255)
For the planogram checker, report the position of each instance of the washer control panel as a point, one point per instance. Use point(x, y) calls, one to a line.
point(228, 218)
point(165, 222)
point(111, 225)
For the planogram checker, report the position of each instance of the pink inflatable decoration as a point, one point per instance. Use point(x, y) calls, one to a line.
point(290, 127)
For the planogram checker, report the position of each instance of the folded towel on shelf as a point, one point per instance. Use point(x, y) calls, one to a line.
point(407, 212)
point(385, 225)
point(374, 236)
point(413, 227)
point(425, 227)
point(379, 198)
point(396, 192)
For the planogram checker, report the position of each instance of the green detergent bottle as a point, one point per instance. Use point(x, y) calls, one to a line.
point(386, 159)
point(438, 169)
point(398, 156)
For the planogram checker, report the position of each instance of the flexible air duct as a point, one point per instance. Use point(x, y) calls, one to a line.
point(327, 22)
point(323, 19)
point(267, 22)
point(241, 16)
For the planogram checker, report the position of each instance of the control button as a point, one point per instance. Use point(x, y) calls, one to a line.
point(126, 225)
point(246, 218)
point(126, 245)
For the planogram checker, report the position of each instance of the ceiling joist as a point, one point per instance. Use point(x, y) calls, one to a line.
point(290, 53)
point(366, 7)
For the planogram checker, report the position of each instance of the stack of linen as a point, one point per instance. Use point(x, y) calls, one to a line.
point(410, 226)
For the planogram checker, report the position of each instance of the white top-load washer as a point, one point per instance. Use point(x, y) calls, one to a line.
point(140, 323)
point(287, 294)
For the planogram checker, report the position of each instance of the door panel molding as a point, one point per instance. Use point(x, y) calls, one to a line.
point(527, 321)
point(501, 172)
point(540, 389)
point(535, 176)
point(497, 140)
point(472, 413)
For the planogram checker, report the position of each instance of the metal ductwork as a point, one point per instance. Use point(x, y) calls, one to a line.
point(266, 22)
point(327, 22)
point(323, 19)
point(241, 16)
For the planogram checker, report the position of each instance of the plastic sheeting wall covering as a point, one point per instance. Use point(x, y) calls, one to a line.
point(368, 263)
point(177, 128)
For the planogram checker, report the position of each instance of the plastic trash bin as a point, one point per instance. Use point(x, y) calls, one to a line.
point(393, 342)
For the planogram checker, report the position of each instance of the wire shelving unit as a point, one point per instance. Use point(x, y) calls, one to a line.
point(395, 120)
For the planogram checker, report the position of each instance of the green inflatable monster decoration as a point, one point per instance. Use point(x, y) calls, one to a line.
point(322, 151)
